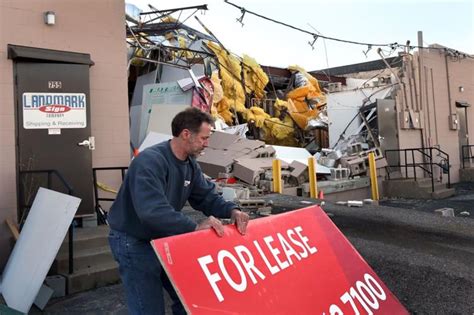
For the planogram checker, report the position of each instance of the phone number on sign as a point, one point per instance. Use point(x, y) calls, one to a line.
point(364, 296)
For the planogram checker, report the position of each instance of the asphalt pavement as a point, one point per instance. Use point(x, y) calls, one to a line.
point(425, 259)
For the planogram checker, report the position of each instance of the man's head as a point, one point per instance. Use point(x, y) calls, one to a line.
point(193, 128)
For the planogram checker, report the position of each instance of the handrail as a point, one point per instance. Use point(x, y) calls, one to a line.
point(70, 190)
point(469, 156)
point(427, 155)
point(101, 216)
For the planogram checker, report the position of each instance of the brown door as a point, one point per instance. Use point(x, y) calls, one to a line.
point(53, 116)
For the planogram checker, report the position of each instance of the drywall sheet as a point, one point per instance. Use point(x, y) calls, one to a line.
point(292, 263)
point(290, 154)
point(161, 117)
point(160, 94)
point(39, 242)
point(153, 138)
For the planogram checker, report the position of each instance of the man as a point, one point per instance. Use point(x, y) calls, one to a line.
point(159, 181)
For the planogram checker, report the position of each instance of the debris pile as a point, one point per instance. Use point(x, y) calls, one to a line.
point(173, 66)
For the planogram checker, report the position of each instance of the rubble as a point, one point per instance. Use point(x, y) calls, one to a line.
point(355, 203)
point(173, 66)
point(445, 212)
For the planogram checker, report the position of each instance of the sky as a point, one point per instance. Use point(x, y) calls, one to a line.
point(448, 23)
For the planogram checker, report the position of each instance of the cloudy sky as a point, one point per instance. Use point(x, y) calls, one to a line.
point(449, 23)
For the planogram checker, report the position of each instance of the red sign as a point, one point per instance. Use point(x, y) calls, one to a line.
point(292, 263)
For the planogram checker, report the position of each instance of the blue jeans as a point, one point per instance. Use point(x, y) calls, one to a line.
point(142, 276)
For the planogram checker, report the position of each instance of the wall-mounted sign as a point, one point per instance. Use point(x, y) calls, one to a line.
point(54, 110)
point(292, 263)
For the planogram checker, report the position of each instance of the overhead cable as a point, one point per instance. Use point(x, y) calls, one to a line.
point(316, 36)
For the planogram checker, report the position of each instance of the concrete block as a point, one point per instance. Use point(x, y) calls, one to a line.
point(445, 212)
point(356, 165)
point(291, 191)
point(58, 284)
point(334, 155)
point(339, 173)
point(299, 171)
point(89, 221)
point(243, 193)
point(265, 185)
point(326, 161)
point(44, 294)
point(355, 148)
point(355, 203)
point(381, 163)
point(251, 203)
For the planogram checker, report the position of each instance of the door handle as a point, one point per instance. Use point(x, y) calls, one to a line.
point(89, 143)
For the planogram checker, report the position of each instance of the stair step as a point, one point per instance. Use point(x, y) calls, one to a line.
point(96, 276)
point(86, 238)
point(84, 258)
point(427, 185)
point(443, 193)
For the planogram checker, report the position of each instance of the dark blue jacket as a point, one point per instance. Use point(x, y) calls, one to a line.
point(155, 189)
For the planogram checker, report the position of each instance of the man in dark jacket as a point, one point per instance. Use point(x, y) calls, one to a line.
point(158, 183)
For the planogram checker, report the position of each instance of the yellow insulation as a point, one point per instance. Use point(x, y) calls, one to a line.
point(230, 75)
point(255, 78)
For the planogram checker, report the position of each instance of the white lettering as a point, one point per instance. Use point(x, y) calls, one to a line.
point(275, 252)
point(236, 286)
point(212, 278)
point(234, 267)
point(290, 234)
point(305, 240)
point(248, 263)
point(289, 251)
point(273, 269)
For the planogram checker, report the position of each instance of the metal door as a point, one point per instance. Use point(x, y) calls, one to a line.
point(462, 131)
point(387, 128)
point(53, 117)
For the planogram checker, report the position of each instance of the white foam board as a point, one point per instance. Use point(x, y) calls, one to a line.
point(39, 242)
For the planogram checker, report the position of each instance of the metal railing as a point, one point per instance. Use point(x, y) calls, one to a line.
point(425, 162)
point(467, 154)
point(70, 192)
point(101, 214)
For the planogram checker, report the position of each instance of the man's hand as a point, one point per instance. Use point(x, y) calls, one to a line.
point(212, 222)
point(241, 219)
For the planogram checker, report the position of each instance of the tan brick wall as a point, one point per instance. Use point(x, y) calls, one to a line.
point(86, 26)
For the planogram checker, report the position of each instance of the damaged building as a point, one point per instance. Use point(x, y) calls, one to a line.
point(415, 108)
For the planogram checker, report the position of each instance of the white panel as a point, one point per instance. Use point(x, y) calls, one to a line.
point(163, 94)
point(38, 244)
point(153, 138)
point(161, 117)
point(290, 154)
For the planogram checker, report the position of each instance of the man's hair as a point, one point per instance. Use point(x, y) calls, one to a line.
point(190, 118)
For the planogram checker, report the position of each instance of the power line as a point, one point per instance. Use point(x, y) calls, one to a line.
point(315, 36)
